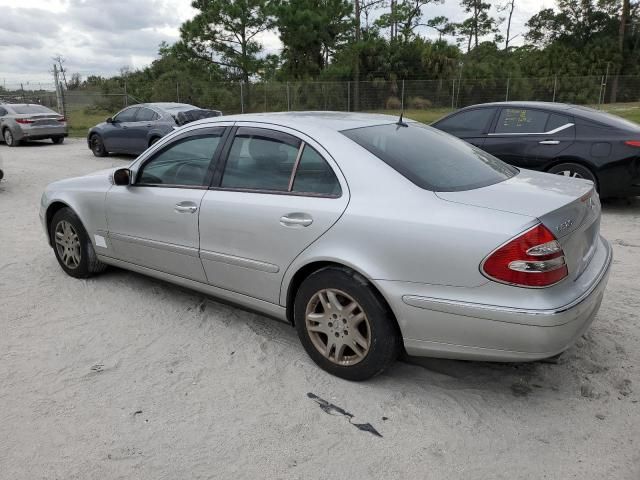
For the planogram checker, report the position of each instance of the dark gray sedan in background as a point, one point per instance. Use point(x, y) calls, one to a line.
point(135, 128)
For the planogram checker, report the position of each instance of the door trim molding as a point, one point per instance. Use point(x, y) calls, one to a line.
point(239, 261)
point(145, 242)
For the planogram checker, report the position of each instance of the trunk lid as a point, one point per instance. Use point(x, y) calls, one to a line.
point(568, 207)
point(41, 119)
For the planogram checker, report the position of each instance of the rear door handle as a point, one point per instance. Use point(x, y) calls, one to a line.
point(296, 220)
point(186, 207)
point(549, 142)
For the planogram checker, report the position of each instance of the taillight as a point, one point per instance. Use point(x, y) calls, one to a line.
point(532, 259)
point(24, 121)
point(62, 119)
point(633, 143)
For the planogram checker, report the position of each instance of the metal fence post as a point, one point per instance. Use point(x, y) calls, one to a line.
point(348, 96)
point(241, 96)
point(178, 91)
point(453, 94)
point(555, 85)
point(600, 94)
point(506, 97)
point(288, 99)
point(402, 97)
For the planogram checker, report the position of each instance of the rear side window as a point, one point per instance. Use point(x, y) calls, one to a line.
point(314, 175)
point(468, 123)
point(3, 112)
point(557, 121)
point(260, 159)
point(521, 120)
point(29, 109)
point(431, 159)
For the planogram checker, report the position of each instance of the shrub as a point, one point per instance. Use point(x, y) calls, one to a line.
point(419, 103)
point(393, 103)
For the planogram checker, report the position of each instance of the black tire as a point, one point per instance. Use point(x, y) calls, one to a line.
point(385, 341)
point(574, 170)
point(57, 140)
point(153, 140)
point(9, 139)
point(89, 263)
point(97, 145)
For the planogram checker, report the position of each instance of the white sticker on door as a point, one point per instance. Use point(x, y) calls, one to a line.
point(100, 241)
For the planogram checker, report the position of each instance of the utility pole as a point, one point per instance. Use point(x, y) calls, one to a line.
point(356, 64)
point(59, 99)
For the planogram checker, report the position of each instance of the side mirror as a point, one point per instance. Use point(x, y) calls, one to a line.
point(109, 120)
point(122, 177)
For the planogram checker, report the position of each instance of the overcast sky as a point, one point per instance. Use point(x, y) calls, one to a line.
point(101, 36)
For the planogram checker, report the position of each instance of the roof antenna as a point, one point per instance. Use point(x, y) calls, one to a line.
point(400, 122)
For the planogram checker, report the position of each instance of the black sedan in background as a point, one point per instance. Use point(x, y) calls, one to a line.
point(135, 128)
point(557, 138)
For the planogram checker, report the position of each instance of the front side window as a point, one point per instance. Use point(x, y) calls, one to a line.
point(468, 123)
point(127, 115)
point(183, 163)
point(521, 120)
point(260, 159)
point(146, 115)
point(431, 159)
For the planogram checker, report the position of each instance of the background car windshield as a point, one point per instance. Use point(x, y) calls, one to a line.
point(29, 109)
point(431, 159)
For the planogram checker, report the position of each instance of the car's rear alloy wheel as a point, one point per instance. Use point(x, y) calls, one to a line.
point(97, 146)
point(344, 324)
point(72, 246)
point(338, 327)
point(9, 139)
point(573, 170)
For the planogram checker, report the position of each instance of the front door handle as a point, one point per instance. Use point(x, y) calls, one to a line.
point(549, 142)
point(296, 220)
point(186, 207)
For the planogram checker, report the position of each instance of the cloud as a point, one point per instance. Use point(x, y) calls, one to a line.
point(98, 37)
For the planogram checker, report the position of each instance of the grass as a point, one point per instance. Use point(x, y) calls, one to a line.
point(80, 121)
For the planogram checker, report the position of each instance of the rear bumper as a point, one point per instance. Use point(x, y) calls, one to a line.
point(39, 133)
point(450, 328)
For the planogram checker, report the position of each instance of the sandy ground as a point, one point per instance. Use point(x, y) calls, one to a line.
point(122, 376)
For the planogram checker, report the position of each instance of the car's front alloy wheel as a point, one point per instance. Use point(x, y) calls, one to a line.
point(344, 324)
point(74, 251)
point(97, 145)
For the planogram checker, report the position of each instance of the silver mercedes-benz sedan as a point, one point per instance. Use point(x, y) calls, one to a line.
point(368, 233)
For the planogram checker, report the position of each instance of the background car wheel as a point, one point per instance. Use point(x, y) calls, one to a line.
point(72, 246)
point(153, 140)
point(97, 146)
point(9, 139)
point(344, 326)
point(574, 170)
point(57, 140)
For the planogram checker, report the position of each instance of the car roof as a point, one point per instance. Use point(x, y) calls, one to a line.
point(336, 121)
point(552, 106)
point(167, 105)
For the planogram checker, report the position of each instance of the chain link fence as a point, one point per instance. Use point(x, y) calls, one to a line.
point(379, 96)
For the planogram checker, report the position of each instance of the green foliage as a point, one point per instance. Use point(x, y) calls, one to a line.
point(311, 31)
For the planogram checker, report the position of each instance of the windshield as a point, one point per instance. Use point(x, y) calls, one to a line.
point(29, 109)
point(431, 159)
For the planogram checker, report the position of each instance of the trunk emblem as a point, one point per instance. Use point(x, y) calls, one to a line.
point(564, 225)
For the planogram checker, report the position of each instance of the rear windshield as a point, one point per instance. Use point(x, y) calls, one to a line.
point(431, 159)
point(29, 109)
point(606, 118)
